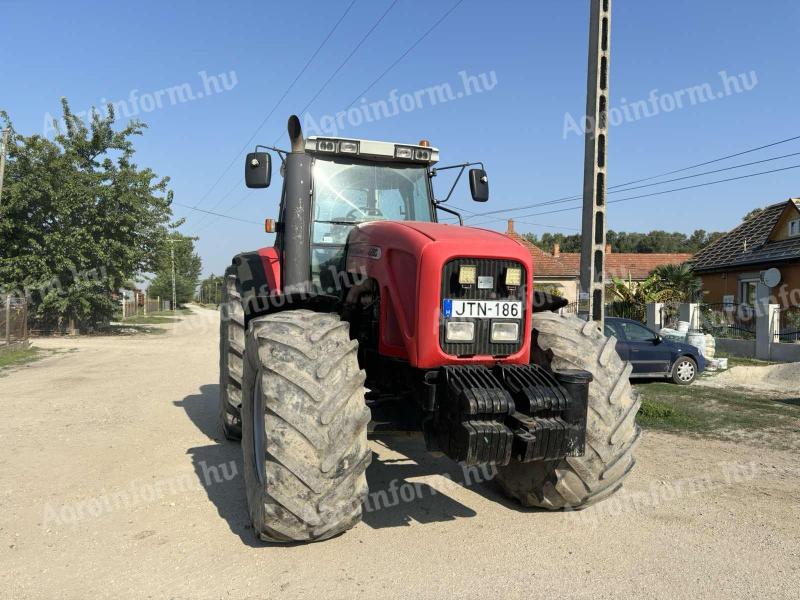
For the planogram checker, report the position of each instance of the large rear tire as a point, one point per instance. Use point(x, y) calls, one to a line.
point(231, 355)
point(304, 427)
point(567, 342)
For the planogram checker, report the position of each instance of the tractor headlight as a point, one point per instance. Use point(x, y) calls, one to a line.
point(504, 332)
point(459, 331)
point(403, 152)
point(513, 277)
point(422, 154)
point(326, 146)
point(348, 147)
point(467, 274)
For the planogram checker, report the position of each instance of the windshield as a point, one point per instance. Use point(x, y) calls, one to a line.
point(347, 193)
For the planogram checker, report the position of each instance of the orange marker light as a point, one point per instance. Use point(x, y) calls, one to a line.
point(269, 225)
point(424, 143)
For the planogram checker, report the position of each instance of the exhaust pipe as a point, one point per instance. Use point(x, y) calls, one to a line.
point(296, 134)
point(296, 265)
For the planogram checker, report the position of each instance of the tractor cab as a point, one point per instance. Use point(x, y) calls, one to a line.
point(352, 182)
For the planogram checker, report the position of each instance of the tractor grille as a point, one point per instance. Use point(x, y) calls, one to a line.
point(451, 289)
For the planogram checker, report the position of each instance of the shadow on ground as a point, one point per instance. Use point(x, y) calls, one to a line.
point(395, 498)
point(218, 465)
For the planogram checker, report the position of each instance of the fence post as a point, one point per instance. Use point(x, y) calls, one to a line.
point(766, 328)
point(690, 312)
point(25, 322)
point(8, 320)
point(654, 316)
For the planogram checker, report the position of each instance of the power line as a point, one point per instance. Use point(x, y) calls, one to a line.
point(627, 183)
point(689, 187)
point(708, 162)
point(630, 189)
point(321, 89)
point(344, 62)
point(750, 164)
point(404, 54)
point(216, 214)
point(283, 96)
point(383, 74)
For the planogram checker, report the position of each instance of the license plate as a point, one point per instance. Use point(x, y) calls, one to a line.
point(482, 309)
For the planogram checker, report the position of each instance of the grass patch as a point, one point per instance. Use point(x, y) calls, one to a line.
point(10, 358)
point(720, 413)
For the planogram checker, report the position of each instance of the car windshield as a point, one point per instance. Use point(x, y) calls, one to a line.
point(348, 192)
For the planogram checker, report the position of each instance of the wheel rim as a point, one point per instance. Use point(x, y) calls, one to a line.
point(258, 428)
point(685, 370)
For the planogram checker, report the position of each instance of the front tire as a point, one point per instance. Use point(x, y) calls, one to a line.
point(304, 427)
point(684, 371)
point(567, 342)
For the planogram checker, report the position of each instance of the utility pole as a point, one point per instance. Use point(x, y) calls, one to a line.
point(6, 132)
point(593, 231)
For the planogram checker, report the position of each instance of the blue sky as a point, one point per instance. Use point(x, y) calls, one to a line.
point(533, 54)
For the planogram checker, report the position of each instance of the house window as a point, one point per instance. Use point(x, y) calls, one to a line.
point(748, 292)
point(794, 228)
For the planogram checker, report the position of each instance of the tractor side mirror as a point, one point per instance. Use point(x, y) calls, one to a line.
point(258, 170)
point(479, 185)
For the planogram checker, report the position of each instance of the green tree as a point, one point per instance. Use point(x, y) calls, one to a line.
point(632, 242)
point(187, 269)
point(678, 282)
point(210, 291)
point(78, 218)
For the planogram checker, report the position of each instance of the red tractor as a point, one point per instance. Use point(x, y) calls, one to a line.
point(366, 303)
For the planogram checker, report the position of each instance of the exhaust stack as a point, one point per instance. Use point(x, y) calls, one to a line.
point(296, 134)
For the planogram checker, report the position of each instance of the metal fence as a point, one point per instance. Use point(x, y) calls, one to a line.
point(13, 322)
point(730, 321)
point(623, 310)
point(788, 330)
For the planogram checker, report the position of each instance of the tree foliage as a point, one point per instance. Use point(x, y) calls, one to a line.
point(211, 289)
point(187, 269)
point(642, 243)
point(78, 218)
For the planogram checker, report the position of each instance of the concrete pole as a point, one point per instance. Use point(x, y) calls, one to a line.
point(593, 231)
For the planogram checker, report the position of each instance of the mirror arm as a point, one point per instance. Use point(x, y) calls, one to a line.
point(280, 152)
point(462, 166)
point(439, 206)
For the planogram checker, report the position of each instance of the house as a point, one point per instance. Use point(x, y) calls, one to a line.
point(560, 271)
point(731, 267)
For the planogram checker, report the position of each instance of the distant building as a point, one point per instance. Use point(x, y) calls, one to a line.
point(561, 270)
point(731, 267)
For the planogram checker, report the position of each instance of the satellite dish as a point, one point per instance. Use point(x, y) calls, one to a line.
point(771, 277)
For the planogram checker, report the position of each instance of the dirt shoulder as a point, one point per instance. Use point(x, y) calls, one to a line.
point(116, 483)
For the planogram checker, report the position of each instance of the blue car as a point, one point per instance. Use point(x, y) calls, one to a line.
point(653, 356)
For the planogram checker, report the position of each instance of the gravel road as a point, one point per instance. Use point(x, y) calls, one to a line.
point(115, 483)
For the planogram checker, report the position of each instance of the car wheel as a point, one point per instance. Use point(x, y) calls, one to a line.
point(684, 371)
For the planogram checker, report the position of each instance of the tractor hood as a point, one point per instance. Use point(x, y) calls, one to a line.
point(409, 262)
point(464, 241)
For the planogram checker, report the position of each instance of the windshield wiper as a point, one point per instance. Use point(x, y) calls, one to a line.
point(341, 222)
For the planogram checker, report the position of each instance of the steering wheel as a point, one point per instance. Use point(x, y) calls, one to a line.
point(367, 212)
